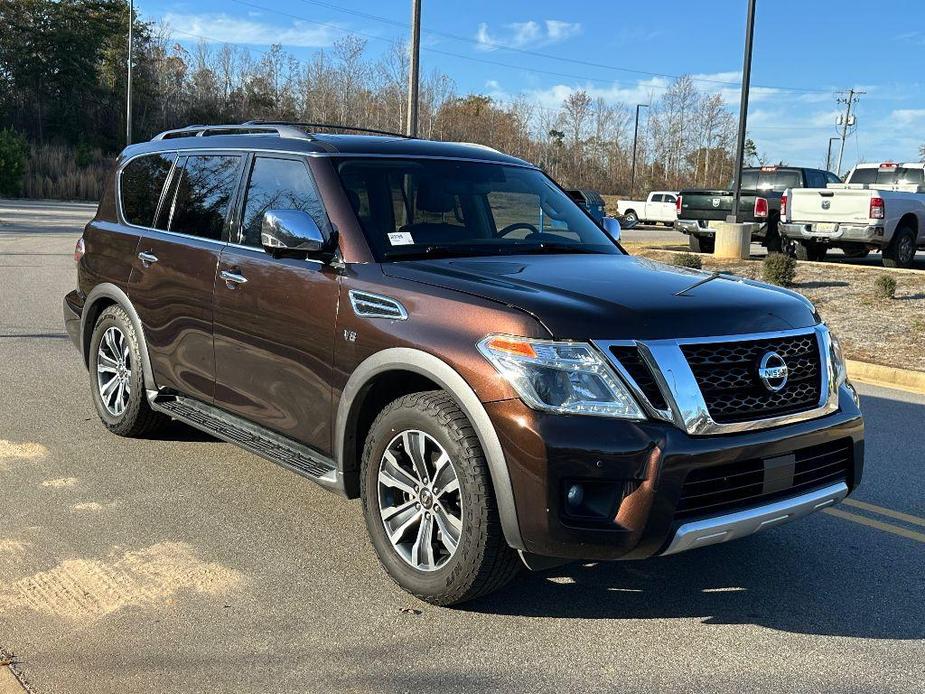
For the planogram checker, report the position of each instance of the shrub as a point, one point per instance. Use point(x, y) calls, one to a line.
point(779, 269)
point(885, 287)
point(64, 173)
point(687, 260)
point(12, 161)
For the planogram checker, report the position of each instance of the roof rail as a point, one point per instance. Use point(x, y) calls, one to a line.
point(279, 129)
point(335, 126)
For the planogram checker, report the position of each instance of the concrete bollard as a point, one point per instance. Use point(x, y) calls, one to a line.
point(733, 240)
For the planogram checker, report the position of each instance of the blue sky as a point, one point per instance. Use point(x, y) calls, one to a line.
point(804, 52)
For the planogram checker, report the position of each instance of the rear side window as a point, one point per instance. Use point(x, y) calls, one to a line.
point(204, 190)
point(141, 184)
point(831, 178)
point(277, 184)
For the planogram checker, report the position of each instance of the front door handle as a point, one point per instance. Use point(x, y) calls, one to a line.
point(147, 259)
point(232, 278)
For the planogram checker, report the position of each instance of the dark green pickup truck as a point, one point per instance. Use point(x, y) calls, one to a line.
point(762, 188)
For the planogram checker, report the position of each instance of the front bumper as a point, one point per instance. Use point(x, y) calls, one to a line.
point(648, 462)
point(851, 233)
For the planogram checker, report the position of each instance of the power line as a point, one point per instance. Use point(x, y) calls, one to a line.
point(540, 54)
point(499, 63)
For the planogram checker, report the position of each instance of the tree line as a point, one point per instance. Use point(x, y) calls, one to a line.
point(62, 99)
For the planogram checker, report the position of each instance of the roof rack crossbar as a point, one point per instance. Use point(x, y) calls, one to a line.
point(278, 129)
point(333, 126)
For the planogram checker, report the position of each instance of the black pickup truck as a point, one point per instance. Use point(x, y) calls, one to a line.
point(762, 188)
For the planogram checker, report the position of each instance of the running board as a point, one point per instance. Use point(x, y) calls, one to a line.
point(252, 437)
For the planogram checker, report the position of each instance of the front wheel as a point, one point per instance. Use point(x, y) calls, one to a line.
point(630, 220)
point(429, 504)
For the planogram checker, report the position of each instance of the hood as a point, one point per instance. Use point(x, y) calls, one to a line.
point(615, 297)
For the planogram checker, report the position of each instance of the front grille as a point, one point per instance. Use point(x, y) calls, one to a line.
point(639, 371)
point(716, 489)
point(727, 373)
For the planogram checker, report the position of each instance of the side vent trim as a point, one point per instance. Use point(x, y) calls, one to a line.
point(369, 305)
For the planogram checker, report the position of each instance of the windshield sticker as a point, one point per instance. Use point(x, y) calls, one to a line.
point(401, 238)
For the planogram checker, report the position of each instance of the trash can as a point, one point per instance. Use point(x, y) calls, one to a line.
point(591, 201)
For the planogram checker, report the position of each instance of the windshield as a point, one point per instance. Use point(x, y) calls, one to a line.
point(414, 208)
point(887, 176)
point(776, 180)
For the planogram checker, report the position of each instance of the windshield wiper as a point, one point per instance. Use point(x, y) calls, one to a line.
point(710, 278)
point(551, 248)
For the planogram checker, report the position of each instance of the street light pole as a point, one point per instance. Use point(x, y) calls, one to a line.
point(635, 138)
point(743, 113)
point(828, 154)
point(128, 80)
point(411, 128)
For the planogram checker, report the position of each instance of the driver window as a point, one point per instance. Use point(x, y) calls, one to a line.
point(276, 184)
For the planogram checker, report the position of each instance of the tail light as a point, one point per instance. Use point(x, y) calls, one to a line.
point(79, 250)
point(877, 210)
point(761, 207)
point(783, 207)
point(677, 205)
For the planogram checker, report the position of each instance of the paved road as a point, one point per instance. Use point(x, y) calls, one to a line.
point(184, 564)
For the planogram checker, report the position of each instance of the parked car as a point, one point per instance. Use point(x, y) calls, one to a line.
point(437, 329)
point(590, 201)
point(658, 208)
point(881, 207)
point(762, 188)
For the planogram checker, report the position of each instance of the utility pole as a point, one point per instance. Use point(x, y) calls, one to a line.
point(635, 138)
point(412, 127)
point(852, 98)
point(743, 113)
point(128, 80)
point(828, 155)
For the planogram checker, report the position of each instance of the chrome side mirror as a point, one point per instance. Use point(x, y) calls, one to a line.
point(290, 230)
point(612, 227)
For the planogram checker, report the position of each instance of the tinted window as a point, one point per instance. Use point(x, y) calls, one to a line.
point(421, 208)
point(141, 184)
point(204, 190)
point(658, 198)
point(815, 179)
point(671, 198)
point(772, 179)
point(277, 184)
point(831, 178)
point(891, 176)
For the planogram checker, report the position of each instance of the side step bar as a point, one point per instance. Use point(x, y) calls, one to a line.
point(252, 437)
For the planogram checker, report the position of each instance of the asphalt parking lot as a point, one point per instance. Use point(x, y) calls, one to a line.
point(184, 564)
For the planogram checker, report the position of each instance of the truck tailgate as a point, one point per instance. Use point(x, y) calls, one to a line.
point(828, 205)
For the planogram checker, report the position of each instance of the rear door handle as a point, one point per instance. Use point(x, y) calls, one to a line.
point(147, 258)
point(232, 278)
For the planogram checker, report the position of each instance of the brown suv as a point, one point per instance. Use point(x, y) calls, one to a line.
point(439, 329)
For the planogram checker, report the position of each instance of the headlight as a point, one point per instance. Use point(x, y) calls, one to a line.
point(563, 377)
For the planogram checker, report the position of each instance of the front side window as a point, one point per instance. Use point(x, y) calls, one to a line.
point(277, 184)
point(412, 208)
point(141, 184)
point(204, 191)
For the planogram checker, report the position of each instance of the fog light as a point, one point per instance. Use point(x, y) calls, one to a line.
point(575, 495)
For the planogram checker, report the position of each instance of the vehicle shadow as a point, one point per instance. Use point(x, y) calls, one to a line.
point(178, 431)
point(812, 587)
point(819, 284)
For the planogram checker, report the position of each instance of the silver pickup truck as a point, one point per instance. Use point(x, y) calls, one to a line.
point(881, 208)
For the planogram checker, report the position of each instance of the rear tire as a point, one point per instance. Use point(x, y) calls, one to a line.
point(856, 253)
point(701, 244)
point(807, 250)
point(901, 250)
point(477, 560)
point(116, 377)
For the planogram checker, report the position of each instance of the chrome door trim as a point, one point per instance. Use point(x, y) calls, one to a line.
point(688, 410)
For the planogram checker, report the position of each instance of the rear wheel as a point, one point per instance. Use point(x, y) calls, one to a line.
point(808, 250)
point(116, 376)
point(901, 250)
point(701, 244)
point(429, 505)
point(856, 252)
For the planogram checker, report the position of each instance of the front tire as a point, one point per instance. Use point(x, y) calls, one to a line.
point(116, 377)
point(429, 504)
point(630, 219)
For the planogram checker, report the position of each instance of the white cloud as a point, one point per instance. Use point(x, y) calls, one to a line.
point(529, 34)
point(220, 28)
point(908, 116)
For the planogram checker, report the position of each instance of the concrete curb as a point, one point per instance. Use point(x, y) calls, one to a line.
point(887, 376)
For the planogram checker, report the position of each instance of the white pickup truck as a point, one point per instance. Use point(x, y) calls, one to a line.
point(880, 207)
point(660, 206)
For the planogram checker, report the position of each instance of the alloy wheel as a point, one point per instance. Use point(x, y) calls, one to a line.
point(419, 500)
point(114, 371)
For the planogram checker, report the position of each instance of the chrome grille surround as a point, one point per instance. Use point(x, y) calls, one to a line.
point(687, 408)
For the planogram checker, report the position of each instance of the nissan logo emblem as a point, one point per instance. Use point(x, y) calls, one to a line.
point(773, 371)
point(826, 204)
